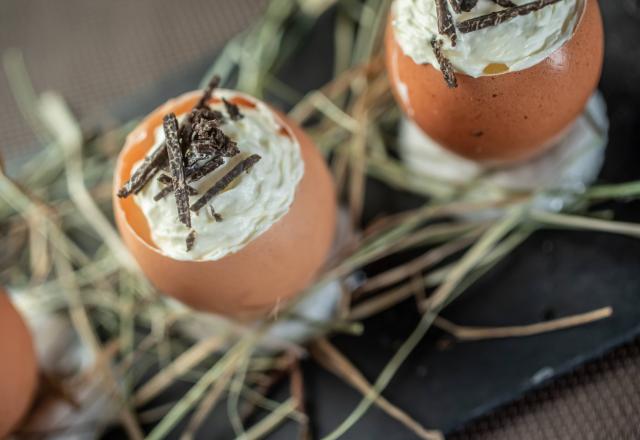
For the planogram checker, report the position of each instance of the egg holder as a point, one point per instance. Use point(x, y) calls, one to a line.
point(557, 175)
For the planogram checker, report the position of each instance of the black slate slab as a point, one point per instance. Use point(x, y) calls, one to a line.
point(555, 273)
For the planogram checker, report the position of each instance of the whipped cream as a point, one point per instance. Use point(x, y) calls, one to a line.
point(513, 45)
point(251, 204)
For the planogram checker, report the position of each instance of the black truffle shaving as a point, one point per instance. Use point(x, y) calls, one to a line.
point(232, 110)
point(445, 64)
point(145, 172)
point(157, 159)
point(218, 218)
point(191, 239)
point(505, 3)
point(207, 135)
point(164, 179)
point(206, 114)
point(179, 182)
point(499, 17)
point(208, 92)
point(197, 173)
point(169, 189)
point(193, 174)
point(225, 181)
point(445, 21)
point(460, 6)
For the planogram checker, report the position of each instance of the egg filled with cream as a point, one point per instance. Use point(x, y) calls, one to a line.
point(494, 90)
point(260, 221)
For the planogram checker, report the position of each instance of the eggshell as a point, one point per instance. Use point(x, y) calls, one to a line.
point(264, 274)
point(508, 117)
point(18, 367)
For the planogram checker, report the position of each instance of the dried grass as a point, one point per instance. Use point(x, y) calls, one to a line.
point(61, 199)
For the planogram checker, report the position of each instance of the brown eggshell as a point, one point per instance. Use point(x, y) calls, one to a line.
point(18, 367)
point(508, 117)
point(269, 270)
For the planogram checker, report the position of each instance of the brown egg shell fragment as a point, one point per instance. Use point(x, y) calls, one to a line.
point(503, 118)
point(18, 368)
point(269, 270)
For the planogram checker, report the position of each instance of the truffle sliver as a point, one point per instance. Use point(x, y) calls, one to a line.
point(191, 240)
point(232, 110)
point(157, 159)
point(505, 3)
point(179, 184)
point(498, 17)
point(208, 92)
point(217, 217)
point(445, 64)
point(446, 26)
point(460, 6)
point(244, 166)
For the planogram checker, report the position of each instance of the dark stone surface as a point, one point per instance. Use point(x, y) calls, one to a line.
point(555, 273)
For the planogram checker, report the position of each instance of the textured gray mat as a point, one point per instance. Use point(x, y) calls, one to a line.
point(97, 52)
point(599, 401)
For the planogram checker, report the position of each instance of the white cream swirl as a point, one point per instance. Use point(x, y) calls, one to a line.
point(252, 204)
point(518, 44)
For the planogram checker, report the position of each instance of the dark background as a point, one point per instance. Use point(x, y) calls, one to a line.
point(99, 53)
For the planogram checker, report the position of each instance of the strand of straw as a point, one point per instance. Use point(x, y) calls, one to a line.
point(271, 421)
point(57, 117)
point(331, 359)
point(580, 222)
point(464, 333)
point(193, 396)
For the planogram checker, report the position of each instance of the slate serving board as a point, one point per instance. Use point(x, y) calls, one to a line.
point(554, 273)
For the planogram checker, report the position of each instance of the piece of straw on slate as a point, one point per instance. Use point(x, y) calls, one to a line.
point(232, 110)
point(445, 64)
point(191, 239)
point(498, 17)
point(221, 184)
point(445, 21)
point(174, 152)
